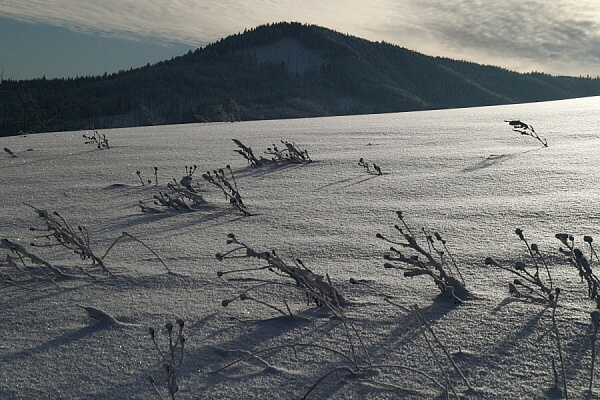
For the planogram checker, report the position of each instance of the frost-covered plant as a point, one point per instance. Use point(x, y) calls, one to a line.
point(139, 174)
point(364, 368)
point(290, 153)
point(531, 286)
point(527, 130)
point(438, 262)
point(577, 259)
point(100, 141)
point(21, 265)
point(433, 343)
point(248, 154)
point(60, 233)
point(317, 289)
point(372, 168)
point(182, 195)
point(172, 358)
point(228, 186)
point(63, 234)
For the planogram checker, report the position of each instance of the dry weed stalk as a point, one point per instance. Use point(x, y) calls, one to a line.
point(182, 196)
point(526, 130)
point(433, 342)
point(228, 186)
point(9, 152)
point(60, 233)
point(289, 154)
point(100, 141)
point(532, 287)
point(172, 358)
point(16, 263)
point(365, 164)
point(438, 269)
point(139, 175)
point(577, 259)
point(317, 288)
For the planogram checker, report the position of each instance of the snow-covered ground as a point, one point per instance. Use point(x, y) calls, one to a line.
point(463, 173)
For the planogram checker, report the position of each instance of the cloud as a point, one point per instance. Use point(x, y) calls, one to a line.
point(562, 36)
point(558, 37)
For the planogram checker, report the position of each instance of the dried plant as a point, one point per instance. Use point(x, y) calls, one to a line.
point(9, 152)
point(438, 263)
point(290, 153)
point(172, 358)
point(182, 196)
point(139, 175)
point(100, 141)
point(371, 168)
point(228, 186)
point(527, 130)
point(577, 259)
point(60, 233)
point(317, 289)
point(531, 286)
point(22, 265)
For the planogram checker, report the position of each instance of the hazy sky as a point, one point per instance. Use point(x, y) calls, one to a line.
point(59, 38)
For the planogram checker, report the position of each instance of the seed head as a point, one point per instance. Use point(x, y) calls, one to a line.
point(151, 331)
point(588, 239)
point(519, 233)
point(520, 266)
point(225, 303)
point(534, 247)
point(169, 326)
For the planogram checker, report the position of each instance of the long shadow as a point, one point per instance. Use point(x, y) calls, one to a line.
point(344, 183)
point(493, 160)
point(201, 216)
point(267, 169)
point(61, 341)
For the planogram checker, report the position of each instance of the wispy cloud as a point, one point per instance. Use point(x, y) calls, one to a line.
point(562, 36)
point(559, 36)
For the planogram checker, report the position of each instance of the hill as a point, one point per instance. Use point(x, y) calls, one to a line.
point(283, 70)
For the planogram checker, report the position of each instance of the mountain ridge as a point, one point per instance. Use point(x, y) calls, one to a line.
point(274, 71)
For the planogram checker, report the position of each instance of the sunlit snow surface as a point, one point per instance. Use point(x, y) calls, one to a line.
point(461, 172)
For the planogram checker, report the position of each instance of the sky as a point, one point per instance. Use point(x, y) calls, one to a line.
point(69, 38)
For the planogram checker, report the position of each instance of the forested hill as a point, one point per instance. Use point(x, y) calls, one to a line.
point(283, 70)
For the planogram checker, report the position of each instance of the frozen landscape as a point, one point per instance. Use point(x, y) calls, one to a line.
point(463, 173)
